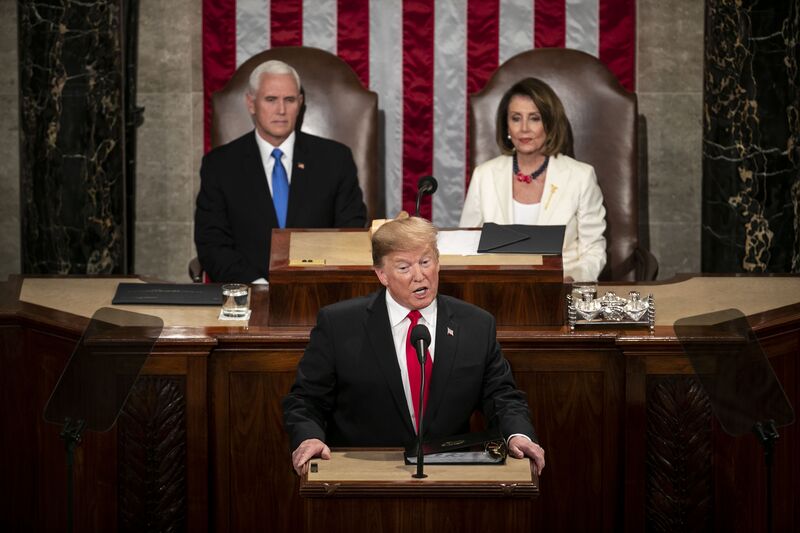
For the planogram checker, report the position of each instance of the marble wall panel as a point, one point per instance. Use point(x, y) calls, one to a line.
point(674, 132)
point(9, 143)
point(170, 140)
point(751, 159)
point(670, 46)
point(197, 142)
point(164, 160)
point(195, 10)
point(71, 127)
point(165, 45)
point(8, 48)
point(669, 86)
point(9, 186)
point(163, 250)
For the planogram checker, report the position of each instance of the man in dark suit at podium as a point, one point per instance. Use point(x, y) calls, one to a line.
point(273, 177)
point(358, 380)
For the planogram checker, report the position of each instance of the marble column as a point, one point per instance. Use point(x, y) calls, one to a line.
point(72, 176)
point(751, 137)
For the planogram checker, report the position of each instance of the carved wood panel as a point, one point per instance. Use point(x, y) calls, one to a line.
point(680, 490)
point(152, 456)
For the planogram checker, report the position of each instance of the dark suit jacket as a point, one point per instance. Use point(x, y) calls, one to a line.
point(349, 392)
point(235, 215)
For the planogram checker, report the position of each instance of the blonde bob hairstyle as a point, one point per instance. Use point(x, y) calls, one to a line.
point(558, 134)
point(402, 235)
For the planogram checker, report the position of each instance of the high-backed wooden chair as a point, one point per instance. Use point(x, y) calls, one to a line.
point(604, 121)
point(337, 106)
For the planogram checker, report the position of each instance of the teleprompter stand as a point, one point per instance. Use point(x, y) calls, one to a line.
point(744, 392)
point(98, 379)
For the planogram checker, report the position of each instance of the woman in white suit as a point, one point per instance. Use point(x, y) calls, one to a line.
point(536, 183)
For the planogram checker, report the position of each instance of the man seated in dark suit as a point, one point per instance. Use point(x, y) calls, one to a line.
point(358, 380)
point(273, 177)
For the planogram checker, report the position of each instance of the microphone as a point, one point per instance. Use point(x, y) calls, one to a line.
point(421, 339)
point(425, 185)
point(420, 334)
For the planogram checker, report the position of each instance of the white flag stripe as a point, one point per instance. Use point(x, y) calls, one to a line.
point(320, 24)
point(386, 79)
point(252, 29)
point(515, 28)
point(583, 28)
point(449, 110)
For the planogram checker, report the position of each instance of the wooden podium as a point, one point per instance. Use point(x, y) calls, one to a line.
point(313, 268)
point(372, 490)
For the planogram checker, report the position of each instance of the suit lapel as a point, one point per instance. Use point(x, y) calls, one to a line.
point(502, 184)
point(380, 337)
point(443, 360)
point(257, 182)
point(554, 190)
point(300, 187)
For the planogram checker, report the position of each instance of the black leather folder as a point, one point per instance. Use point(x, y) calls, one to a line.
point(483, 448)
point(521, 239)
point(168, 294)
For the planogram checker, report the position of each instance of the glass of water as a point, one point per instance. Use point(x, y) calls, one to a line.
point(235, 300)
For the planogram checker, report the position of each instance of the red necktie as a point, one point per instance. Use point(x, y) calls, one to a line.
point(412, 362)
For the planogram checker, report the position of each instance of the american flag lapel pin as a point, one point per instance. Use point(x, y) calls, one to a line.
point(450, 332)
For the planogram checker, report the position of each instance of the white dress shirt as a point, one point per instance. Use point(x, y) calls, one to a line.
point(265, 149)
point(399, 321)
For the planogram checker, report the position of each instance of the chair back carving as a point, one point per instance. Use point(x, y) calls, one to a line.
point(337, 106)
point(603, 117)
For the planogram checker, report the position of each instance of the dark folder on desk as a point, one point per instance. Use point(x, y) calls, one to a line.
point(168, 294)
point(487, 447)
point(521, 239)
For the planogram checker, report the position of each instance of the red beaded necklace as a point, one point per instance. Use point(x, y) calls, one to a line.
point(536, 173)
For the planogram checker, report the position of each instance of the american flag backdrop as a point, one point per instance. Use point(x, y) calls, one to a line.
point(423, 58)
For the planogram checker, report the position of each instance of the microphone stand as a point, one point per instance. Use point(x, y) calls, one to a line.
point(420, 194)
point(767, 434)
point(420, 347)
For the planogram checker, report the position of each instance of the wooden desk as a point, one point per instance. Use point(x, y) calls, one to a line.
point(355, 484)
point(518, 289)
point(613, 408)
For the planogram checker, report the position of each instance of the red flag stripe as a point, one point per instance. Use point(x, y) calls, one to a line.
point(219, 53)
point(286, 22)
point(352, 43)
point(483, 52)
point(618, 39)
point(418, 31)
point(549, 24)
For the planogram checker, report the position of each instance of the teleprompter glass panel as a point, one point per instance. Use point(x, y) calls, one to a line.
point(103, 368)
point(733, 370)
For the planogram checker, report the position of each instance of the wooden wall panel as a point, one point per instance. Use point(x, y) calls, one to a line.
point(255, 483)
point(575, 404)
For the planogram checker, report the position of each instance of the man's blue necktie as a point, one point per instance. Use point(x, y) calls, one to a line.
point(280, 188)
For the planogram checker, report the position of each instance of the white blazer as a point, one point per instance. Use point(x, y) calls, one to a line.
point(571, 197)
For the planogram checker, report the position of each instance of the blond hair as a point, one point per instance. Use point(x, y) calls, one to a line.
point(403, 235)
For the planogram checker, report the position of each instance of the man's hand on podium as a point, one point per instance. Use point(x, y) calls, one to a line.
point(520, 447)
point(311, 448)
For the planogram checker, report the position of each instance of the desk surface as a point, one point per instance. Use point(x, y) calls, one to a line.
point(368, 472)
point(388, 465)
point(751, 295)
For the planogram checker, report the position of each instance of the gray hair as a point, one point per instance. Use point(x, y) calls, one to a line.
point(272, 66)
